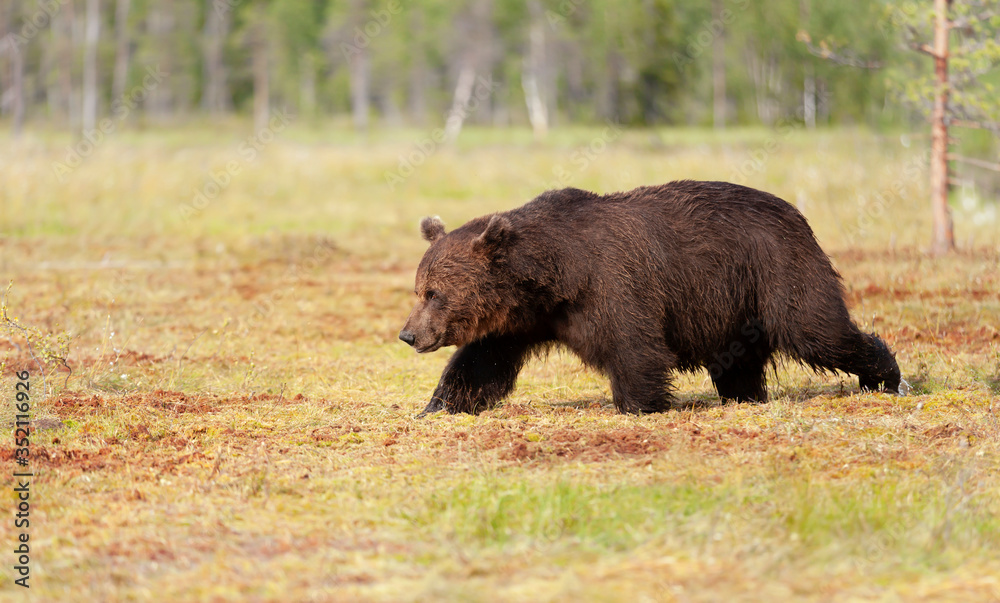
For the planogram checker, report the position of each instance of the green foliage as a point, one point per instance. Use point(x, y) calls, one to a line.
point(973, 60)
point(637, 62)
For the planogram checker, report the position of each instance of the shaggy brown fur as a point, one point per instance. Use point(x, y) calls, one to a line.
point(639, 284)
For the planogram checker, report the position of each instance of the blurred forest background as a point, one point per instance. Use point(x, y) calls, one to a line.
point(67, 63)
point(88, 67)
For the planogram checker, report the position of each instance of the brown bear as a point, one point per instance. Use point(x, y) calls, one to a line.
point(639, 284)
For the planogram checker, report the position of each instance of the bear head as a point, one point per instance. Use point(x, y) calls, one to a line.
point(463, 287)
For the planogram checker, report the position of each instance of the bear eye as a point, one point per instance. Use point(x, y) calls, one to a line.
point(431, 295)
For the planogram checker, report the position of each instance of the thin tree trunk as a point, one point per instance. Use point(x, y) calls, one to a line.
point(418, 91)
point(359, 69)
point(17, 87)
point(809, 98)
point(944, 235)
point(460, 103)
point(576, 91)
point(610, 99)
point(261, 79)
point(67, 18)
point(120, 76)
point(214, 97)
point(7, 48)
point(534, 69)
point(359, 66)
point(823, 101)
point(809, 79)
point(12, 88)
point(482, 55)
point(758, 78)
point(161, 26)
point(48, 68)
point(418, 70)
point(537, 112)
point(93, 24)
point(718, 70)
point(307, 85)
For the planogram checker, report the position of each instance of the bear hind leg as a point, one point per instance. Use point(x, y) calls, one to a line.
point(742, 383)
point(640, 383)
point(739, 370)
point(639, 394)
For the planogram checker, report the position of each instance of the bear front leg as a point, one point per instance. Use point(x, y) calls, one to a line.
point(479, 375)
point(875, 365)
point(861, 354)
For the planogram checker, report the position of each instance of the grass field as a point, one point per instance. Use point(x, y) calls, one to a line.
point(234, 418)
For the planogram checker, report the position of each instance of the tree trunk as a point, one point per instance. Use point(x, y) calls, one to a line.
point(944, 236)
point(93, 24)
point(12, 88)
point(809, 79)
point(809, 98)
point(17, 88)
point(460, 103)
point(359, 66)
point(823, 101)
point(6, 47)
point(533, 73)
point(609, 105)
point(418, 70)
point(418, 91)
point(537, 112)
point(718, 70)
point(120, 77)
point(160, 24)
point(67, 18)
point(214, 99)
point(307, 85)
point(261, 79)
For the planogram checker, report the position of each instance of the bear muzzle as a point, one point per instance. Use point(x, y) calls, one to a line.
point(421, 343)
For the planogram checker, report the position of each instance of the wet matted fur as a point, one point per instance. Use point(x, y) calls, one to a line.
point(639, 284)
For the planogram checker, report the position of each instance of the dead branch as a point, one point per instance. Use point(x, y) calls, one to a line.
point(986, 165)
point(967, 21)
point(924, 48)
point(840, 58)
point(976, 125)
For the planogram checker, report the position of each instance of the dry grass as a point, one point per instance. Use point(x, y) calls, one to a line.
point(238, 419)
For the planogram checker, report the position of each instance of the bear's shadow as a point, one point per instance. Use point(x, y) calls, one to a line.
point(701, 401)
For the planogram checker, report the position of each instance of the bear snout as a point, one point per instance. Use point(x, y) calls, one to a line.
point(408, 337)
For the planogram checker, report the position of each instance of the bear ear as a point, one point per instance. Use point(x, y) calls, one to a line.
point(497, 232)
point(431, 228)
